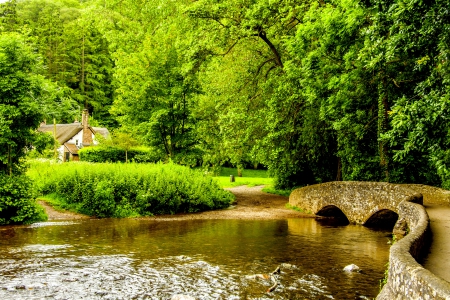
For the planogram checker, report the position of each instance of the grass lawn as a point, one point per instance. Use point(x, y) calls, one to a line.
point(249, 177)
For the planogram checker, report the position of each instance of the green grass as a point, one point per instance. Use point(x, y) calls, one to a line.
point(271, 190)
point(249, 177)
point(296, 208)
point(245, 173)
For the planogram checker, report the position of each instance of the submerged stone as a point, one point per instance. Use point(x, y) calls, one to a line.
point(352, 268)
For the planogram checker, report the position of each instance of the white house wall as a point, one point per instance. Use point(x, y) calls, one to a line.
point(78, 136)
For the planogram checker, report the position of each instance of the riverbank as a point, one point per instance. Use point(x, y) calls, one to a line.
point(250, 204)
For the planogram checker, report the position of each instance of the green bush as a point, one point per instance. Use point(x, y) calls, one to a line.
point(17, 205)
point(123, 190)
point(102, 154)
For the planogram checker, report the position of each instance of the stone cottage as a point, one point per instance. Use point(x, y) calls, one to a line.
point(72, 137)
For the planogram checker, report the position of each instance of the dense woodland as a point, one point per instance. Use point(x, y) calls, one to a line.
point(313, 90)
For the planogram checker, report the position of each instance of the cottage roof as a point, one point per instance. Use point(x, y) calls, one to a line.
point(73, 149)
point(65, 132)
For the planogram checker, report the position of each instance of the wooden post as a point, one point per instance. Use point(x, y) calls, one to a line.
point(54, 142)
point(231, 178)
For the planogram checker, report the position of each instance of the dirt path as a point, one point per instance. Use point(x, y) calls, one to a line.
point(438, 260)
point(60, 215)
point(251, 203)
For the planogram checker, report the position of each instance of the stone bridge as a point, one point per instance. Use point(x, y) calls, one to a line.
point(365, 203)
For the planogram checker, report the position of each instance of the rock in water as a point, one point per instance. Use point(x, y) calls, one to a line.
point(352, 268)
point(182, 297)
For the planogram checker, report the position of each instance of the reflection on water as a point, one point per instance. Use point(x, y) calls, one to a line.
point(207, 259)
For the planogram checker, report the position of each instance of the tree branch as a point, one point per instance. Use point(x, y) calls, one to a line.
point(262, 35)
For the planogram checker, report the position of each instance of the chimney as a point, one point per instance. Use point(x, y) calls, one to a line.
point(87, 133)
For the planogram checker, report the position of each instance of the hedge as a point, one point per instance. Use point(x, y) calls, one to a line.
point(123, 190)
point(101, 154)
point(17, 204)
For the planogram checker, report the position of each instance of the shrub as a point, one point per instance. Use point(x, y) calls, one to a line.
point(101, 154)
point(17, 205)
point(122, 190)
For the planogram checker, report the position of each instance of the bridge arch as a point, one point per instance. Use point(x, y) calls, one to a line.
point(384, 218)
point(331, 211)
point(334, 212)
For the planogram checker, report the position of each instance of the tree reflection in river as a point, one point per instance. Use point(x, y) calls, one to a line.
point(208, 259)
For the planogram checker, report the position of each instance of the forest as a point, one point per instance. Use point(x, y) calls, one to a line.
point(314, 91)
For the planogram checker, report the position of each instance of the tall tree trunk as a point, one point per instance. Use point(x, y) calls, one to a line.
point(383, 108)
point(9, 160)
point(239, 170)
point(339, 170)
point(54, 142)
point(82, 85)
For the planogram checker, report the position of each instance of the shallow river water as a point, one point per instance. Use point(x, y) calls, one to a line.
point(207, 259)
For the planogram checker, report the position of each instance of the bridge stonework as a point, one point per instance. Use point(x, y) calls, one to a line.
point(357, 200)
point(407, 279)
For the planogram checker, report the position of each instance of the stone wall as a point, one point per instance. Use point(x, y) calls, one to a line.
point(407, 278)
point(431, 194)
point(357, 200)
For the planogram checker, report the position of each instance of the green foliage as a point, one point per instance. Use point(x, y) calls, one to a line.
point(272, 190)
point(296, 208)
point(20, 101)
point(8, 16)
point(17, 204)
point(123, 190)
point(75, 54)
point(116, 154)
point(313, 90)
point(386, 277)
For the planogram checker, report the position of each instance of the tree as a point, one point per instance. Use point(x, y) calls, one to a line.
point(121, 139)
point(156, 85)
point(20, 100)
point(8, 16)
point(75, 53)
point(20, 115)
point(418, 45)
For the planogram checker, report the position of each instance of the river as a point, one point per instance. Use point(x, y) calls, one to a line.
point(207, 259)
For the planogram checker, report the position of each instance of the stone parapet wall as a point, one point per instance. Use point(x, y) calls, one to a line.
point(407, 279)
point(431, 194)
